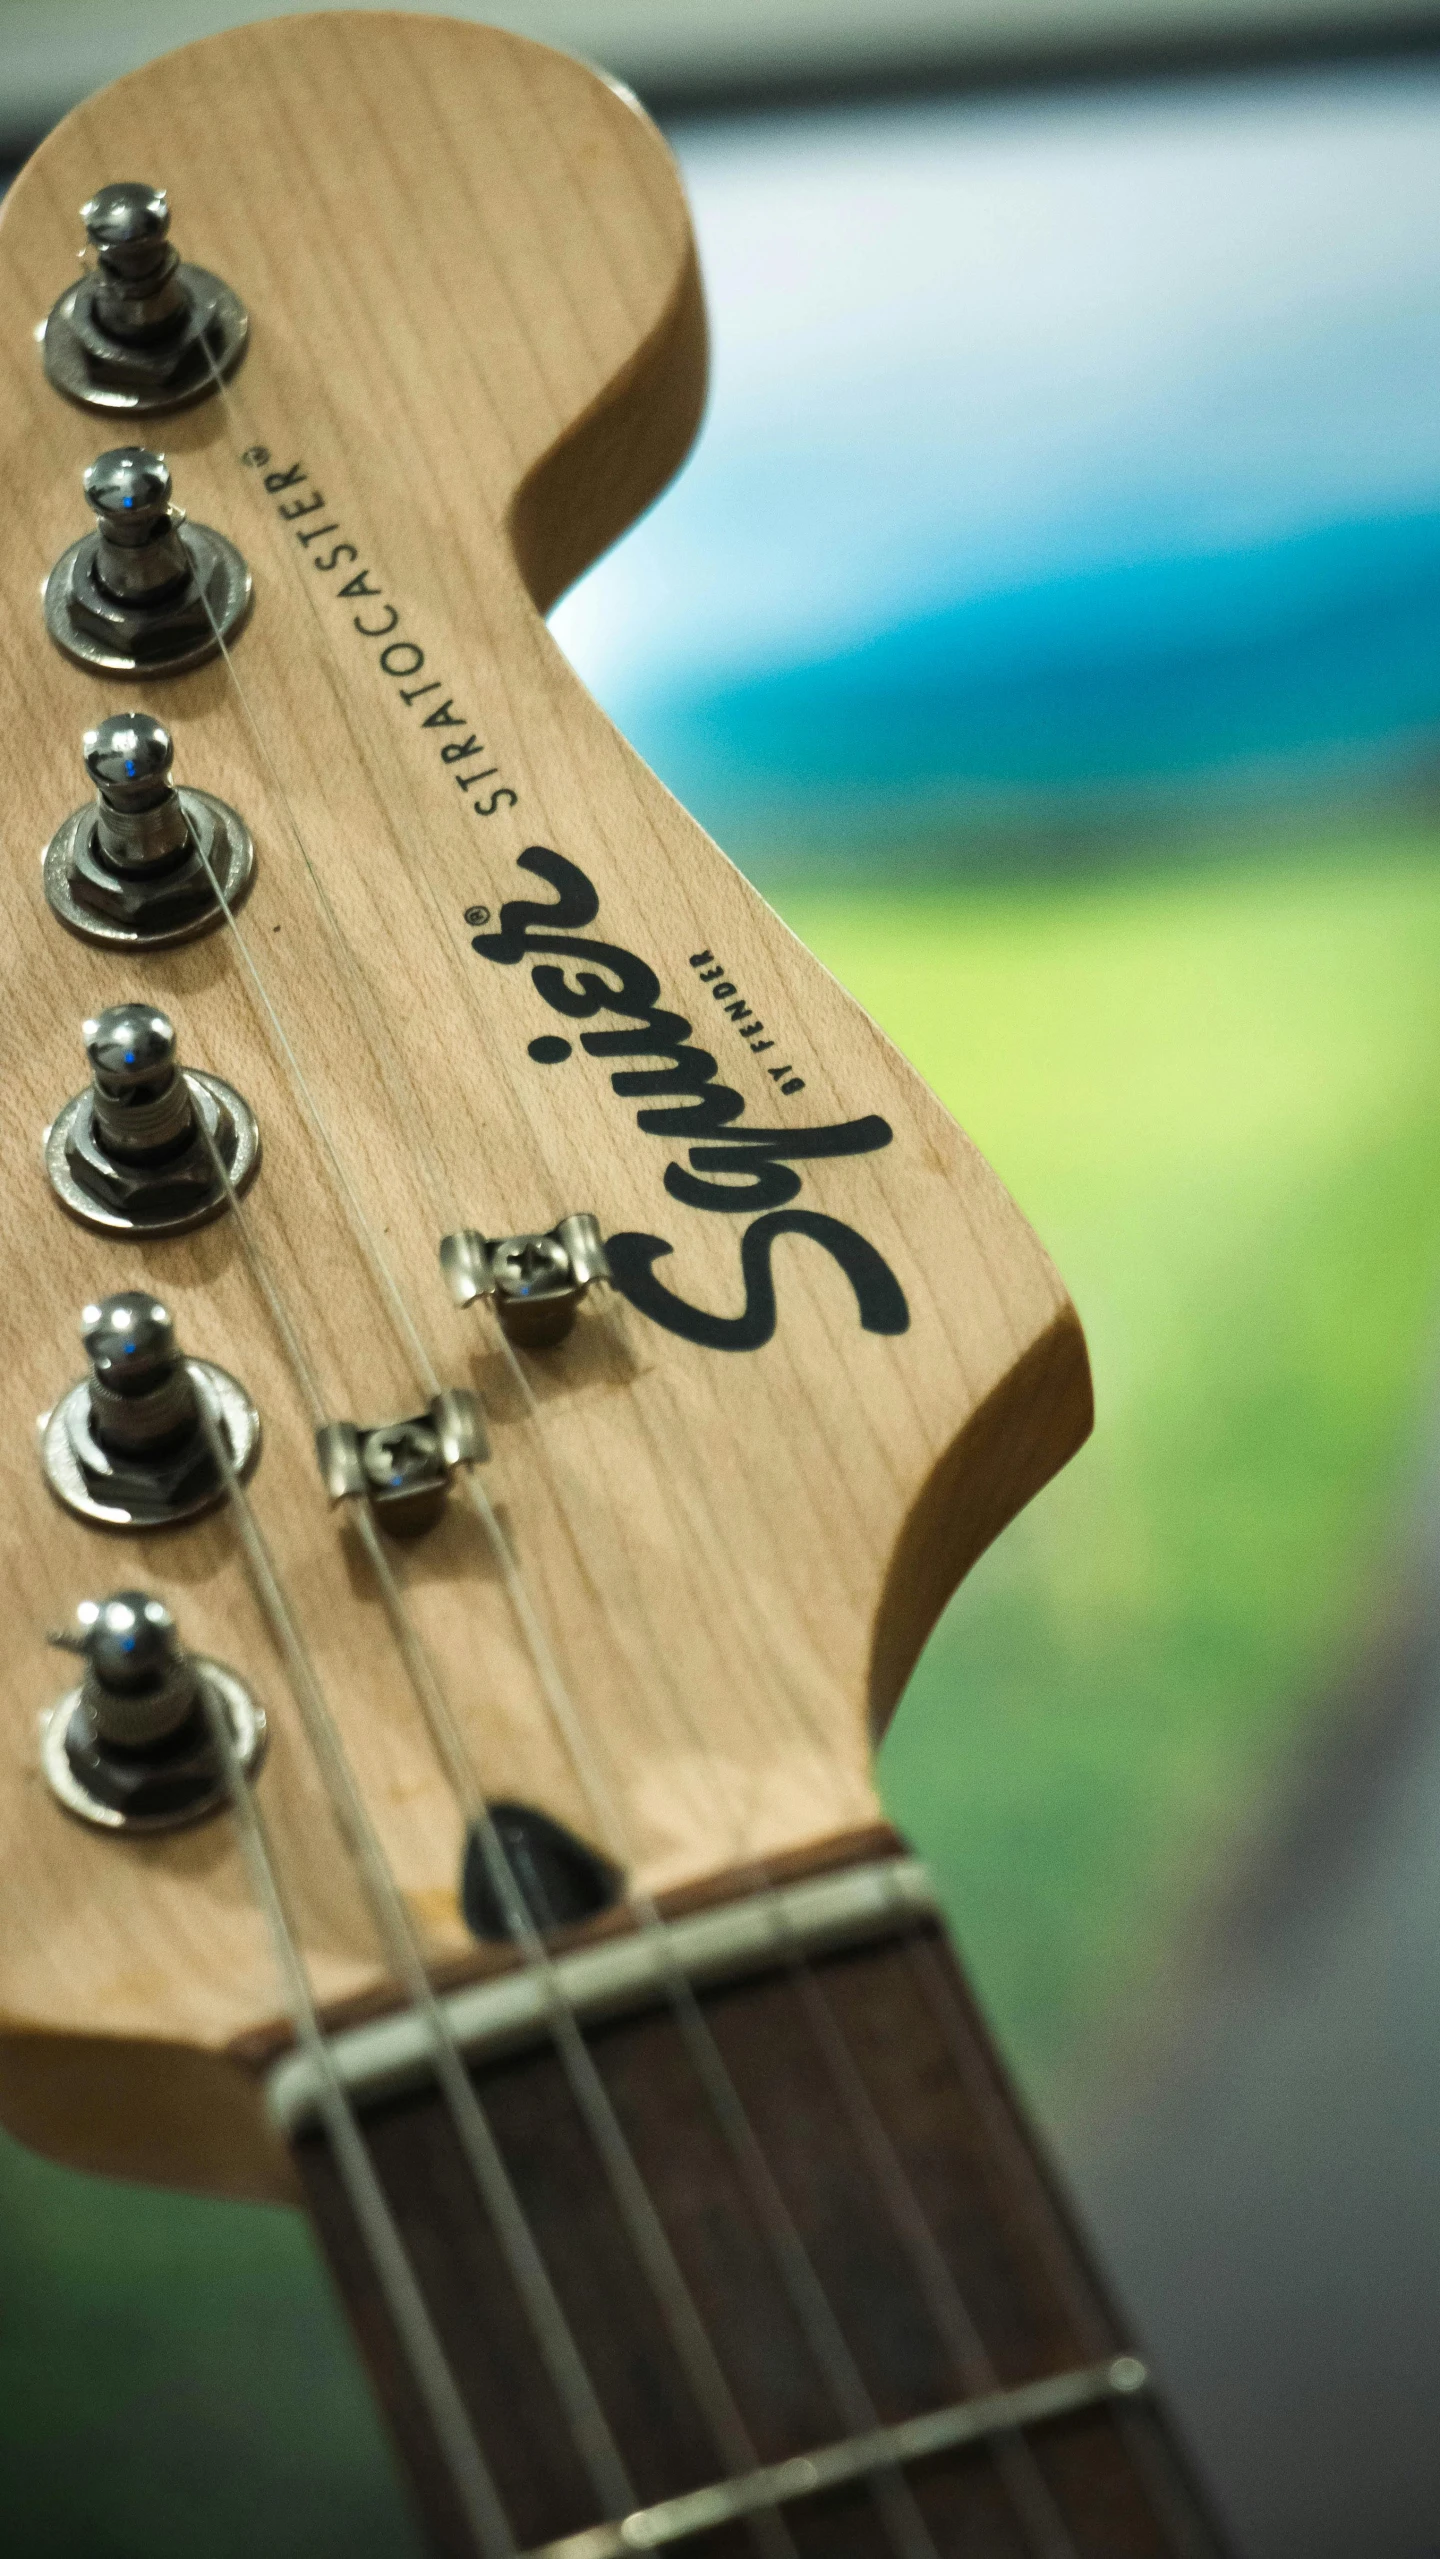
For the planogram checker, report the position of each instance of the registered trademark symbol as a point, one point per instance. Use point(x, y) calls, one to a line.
point(257, 456)
point(477, 914)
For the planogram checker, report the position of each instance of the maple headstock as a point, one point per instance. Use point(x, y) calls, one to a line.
point(491, 974)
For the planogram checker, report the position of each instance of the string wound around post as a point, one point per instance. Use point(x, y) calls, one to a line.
point(142, 329)
point(537, 1281)
point(404, 1469)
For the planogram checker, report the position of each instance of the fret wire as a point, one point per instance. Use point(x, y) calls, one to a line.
point(419, 2340)
point(972, 2421)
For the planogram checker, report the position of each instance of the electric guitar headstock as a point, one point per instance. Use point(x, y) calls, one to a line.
point(524, 1360)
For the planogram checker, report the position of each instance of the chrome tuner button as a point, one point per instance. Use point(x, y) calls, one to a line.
point(404, 1469)
point(133, 1748)
point(145, 865)
point(146, 593)
point(537, 1281)
point(127, 1446)
point(151, 1148)
point(141, 331)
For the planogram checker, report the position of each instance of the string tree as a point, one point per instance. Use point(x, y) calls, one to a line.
point(146, 592)
point(142, 330)
point(133, 1747)
point(404, 1469)
point(148, 862)
point(538, 1282)
point(151, 1148)
point(127, 1446)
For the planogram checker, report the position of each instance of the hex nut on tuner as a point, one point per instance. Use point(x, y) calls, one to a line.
point(146, 593)
point(143, 330)
point(151, 1148)
point(134, 1747)
point(148, 863)
point(127, 1447)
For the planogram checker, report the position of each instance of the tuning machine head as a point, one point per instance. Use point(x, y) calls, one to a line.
point(150, 1148)
point(127, 1446)
point(537, 1281)
point(147, 863)
point(142, 330)
point(147, 593)
point(133, 1748)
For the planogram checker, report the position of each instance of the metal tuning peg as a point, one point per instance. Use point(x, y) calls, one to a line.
point(133, 1748)
point(141, 1153)
point(146, 863)
point(146, 593)
point(127, 1446)
point(404, 1469)
point(537, 1281)
point(141, 330)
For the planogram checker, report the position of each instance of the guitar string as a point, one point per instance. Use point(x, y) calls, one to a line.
point(903, 2206)
point(823, 2330)
point(647, 2233)
point(701, 2365)
point(694, 2349)
point(889, 2490)
point(568, 2373)
point(946, 2304)
point(380, 2235)
point(1041, 2519)
point(800, 2279)
point(1043, 2523)
point(824, 2334)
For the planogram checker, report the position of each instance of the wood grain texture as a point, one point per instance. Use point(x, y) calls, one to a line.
point(477, 334)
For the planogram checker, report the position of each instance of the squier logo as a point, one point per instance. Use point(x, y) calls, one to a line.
point(749, 1173)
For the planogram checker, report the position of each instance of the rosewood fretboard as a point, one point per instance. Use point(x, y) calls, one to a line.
point(919, 2109)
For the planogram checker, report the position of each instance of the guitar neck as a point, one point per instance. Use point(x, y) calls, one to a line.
point(962, 2320)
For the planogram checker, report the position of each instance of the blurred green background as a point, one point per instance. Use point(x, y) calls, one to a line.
point(1050, 623)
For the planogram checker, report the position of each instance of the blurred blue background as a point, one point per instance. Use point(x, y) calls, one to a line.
point(1067, 460)
point(1049, 621)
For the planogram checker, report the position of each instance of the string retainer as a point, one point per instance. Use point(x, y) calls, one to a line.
point(404, 1469)
point(128, 1445)
point(145, 864)
point(146, 592)
point(141, 330)
point(538, 1282)
point(150, 1149)
point(133, 1748)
